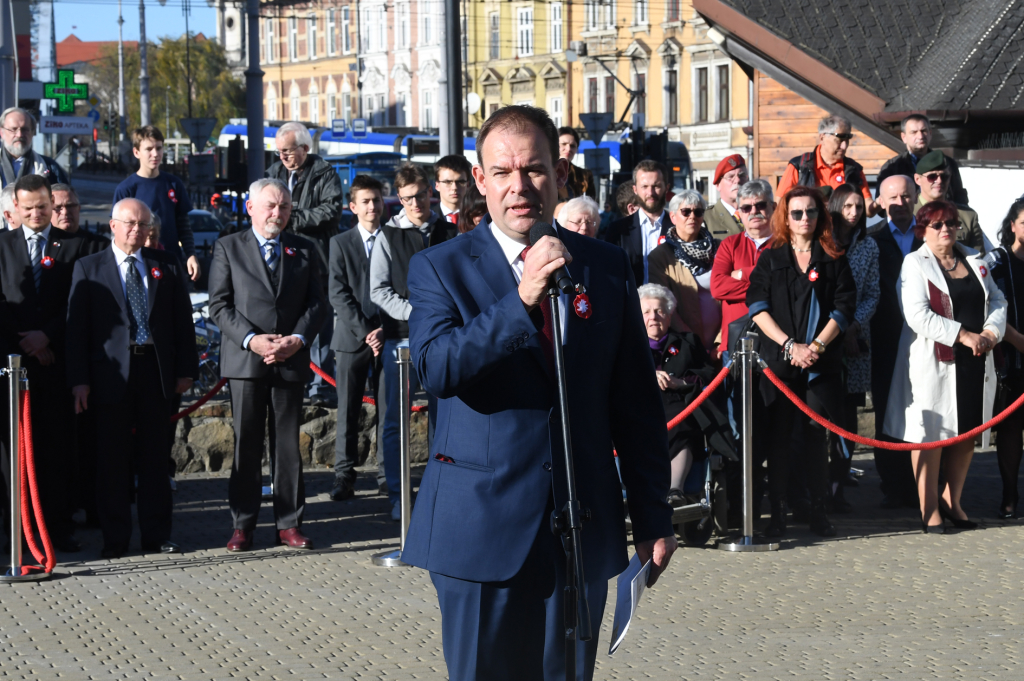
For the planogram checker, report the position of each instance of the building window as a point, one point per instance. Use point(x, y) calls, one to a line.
point(702, 95)
point(493, 109)
point(382, 29)
point(598, 14)
point(346, 106)
point(402, 25)
point(640, 13)
point(426, 12)
point(592, 95)
point(311, 37)
point(556, 27)
point(332, 33)
point(400, 111)
point(672, 96)
point(314, 109)
point(346, 28)
point(271, 108)
point(722, 108)
point(296, 108)
point(555, 110)
point(428, 110)
point(332, 107)
point(609, 95)
point(494, 20)
point(672, 11)
point(382, 106)
point(464, 48)
point(268, 42)
point(293, 38)
point(640, 86)
point(524, 22)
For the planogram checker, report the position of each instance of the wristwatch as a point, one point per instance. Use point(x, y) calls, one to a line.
point(818, 345)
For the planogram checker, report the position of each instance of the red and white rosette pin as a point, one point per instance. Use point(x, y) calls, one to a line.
point(171, 195)
point(673, 350)
point(984, 272)
point(46, 262)
point(813, 275)
point(661, 239)
point(157, 273)
point(288, 250)
point(582, 306)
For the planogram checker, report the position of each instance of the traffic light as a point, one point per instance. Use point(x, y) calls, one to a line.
point(106, 123)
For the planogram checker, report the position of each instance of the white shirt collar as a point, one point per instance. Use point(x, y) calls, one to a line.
point(365, 235)
point(445, 211)
point(757, 242)
point(509, 246)
point(263, 240)
point(120, 255)
point(645, 220)
point(732, 211)
point(45, 233)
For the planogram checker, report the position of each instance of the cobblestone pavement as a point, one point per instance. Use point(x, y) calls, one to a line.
point(880, 601)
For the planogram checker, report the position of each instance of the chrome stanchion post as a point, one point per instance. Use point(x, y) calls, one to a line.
point(394, 558)
point(15, 374)
point(747, 541)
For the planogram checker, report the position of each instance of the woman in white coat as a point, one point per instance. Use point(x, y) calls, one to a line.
point(945, 382)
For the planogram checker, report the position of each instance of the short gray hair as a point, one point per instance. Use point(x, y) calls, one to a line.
point(580, 204)
point(833, 122)
point(658, 292)
point(7, 199)
point(302, 136)
point(23, 112)
point(126, 202)
point(61, 187)
point(259, 185)
point(687, 197)
point(755, 189)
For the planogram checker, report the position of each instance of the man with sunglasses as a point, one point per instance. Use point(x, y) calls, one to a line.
point(827, 165)
point(916, 133)
point(317, 200)
point(721, 218)
point(415, 228)
point(932, 175)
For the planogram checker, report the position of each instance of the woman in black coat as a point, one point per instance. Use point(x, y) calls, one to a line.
point(802, 296)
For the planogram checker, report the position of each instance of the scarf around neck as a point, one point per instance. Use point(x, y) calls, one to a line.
point(696, 255)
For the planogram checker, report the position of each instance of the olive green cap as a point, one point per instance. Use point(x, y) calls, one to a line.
point(933, 160)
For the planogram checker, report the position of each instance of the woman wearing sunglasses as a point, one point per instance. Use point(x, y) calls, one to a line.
point(945, 381)
point(682, 264)
point(802, 297)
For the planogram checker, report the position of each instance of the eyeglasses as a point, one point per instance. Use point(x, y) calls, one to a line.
point(582, 221)
point(458, 183)
point(935, 177)
point(841, 136)
point(288, 152)
point(421, 197)
point(687, 212)
point(949, 224)
point(760, 207)
point(23, 131)
point(798, 215)
point(65, 206)
point(132, 223)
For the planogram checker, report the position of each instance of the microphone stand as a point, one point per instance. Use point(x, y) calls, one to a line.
point(569, 521)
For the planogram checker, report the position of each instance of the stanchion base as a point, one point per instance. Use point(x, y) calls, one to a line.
point(26, 576)
point(391, 558)
point(741, 544)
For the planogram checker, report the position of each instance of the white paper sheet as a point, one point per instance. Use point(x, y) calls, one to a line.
point(629, 585)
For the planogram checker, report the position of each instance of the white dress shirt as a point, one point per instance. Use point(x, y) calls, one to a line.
point(28, 233)
point(365, 236)
point(650, 232)
point(122, 268)
point(513, 251)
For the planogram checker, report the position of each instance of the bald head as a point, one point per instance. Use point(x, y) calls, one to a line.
point(897, 196)
point(130, 223)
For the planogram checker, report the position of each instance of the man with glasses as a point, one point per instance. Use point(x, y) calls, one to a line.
point(134, 350)
point(916, 133)
point(932, 175)
point(36, 263)
point(317, 203)
point(17, 128)
point(67, 211)
point(827, 165)
point(452, 179)
point(415, 228)
point(721, 218)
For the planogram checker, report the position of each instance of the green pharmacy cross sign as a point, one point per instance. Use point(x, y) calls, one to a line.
point(66, 91)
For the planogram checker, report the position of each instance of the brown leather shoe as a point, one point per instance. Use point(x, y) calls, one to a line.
point(292, 538)
point(241, 540)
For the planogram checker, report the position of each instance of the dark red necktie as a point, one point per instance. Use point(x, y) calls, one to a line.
point(547, 334)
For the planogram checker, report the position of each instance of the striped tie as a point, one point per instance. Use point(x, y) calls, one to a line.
point(35, 247)
point(270, 255)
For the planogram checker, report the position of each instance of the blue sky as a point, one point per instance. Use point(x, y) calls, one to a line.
point(97, 19)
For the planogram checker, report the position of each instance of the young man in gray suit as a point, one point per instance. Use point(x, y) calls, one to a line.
point(358, 336)
point(266, 299)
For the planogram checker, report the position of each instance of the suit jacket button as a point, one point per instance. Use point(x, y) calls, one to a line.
point(547, 466)
point(510, 347)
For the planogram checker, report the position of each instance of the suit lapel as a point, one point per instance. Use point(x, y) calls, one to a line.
point(112, 278)
point(152, 281)
point(251, 254)
point(576, 328)
point(636, 237)
point(285, 264)
point(491, 265)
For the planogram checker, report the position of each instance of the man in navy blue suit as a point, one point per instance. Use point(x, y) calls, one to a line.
point(481, 342)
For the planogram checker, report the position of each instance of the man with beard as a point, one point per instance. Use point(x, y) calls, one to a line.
point(482, 341)
point(641, 233)
point(17, 128)
point(265, 297)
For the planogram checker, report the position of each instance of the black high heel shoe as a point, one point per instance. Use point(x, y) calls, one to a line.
point(957, 522)
point(1003, 514)
point(932, 529)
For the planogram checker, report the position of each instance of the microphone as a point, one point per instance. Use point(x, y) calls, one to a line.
point(562, 279)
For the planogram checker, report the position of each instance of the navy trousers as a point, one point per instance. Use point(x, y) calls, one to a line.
point(493, 631)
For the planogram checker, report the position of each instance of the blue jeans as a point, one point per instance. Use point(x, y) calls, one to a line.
point(393, 415)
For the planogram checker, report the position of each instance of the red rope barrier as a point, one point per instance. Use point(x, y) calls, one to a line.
point(26, 454)
point(705, 394)
point(895, 446)
point(201, 401)
point(366, 400)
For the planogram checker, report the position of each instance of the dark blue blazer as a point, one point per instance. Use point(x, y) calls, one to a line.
point(497, 455)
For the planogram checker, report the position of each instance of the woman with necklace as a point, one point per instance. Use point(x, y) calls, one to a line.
point(682, 264)
point(944, 384)
point(802, 297)
point(1007, 265)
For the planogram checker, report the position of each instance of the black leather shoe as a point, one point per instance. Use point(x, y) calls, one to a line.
point(342, 490)
point(166, 547)
point(819, 522)
point(67, 544)
point(324, 401)
point(382, 489)
point(1007, 510)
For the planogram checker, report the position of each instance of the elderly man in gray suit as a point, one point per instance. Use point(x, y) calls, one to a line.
point(265, 297)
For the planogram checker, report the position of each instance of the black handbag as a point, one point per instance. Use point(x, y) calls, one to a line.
point(739, 328)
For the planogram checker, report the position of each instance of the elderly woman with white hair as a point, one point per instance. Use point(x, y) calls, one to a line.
point(682, 263)
point(683, 367)
point(581, 215)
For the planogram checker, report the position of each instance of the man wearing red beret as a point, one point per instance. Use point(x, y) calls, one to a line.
point(721, 218)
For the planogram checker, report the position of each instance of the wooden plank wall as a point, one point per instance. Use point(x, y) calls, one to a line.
point(786, 125)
